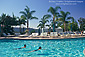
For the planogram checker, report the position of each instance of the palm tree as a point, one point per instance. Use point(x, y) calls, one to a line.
point(28, 15)
point(8, 22)
point(64, 17)
point(73, 20)
point(43, 21)
point(51, 25)
point(2, 18)
point(82, 23)
point(21, 21)
point(14, 19)
point(74, 24)
point(54, 12)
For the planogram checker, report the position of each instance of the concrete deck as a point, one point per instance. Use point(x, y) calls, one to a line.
point(24, 38)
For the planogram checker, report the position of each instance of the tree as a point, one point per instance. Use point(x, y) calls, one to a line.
point(43, 21)
point(54, 12)
point(21, 21)
point(2, 21)
point(51, 25)
point(64, 17)
point(7, 22)
point(73, 25)
point(27, 14)
point(82, 23)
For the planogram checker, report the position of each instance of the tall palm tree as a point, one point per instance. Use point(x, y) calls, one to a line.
point(64, 17)
point(28, 15)
point(21, 21)
point(54, 12)
point(43, 21)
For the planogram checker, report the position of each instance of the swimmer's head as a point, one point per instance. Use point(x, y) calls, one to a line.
point(25, 45)
point(40, 47)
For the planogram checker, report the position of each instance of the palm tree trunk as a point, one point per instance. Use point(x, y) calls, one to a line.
point(53, 24)
point(28, 26)
point(64, 26)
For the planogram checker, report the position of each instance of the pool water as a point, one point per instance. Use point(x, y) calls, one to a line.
point(50, 48)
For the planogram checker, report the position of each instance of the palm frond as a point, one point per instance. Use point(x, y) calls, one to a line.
point(47, 20)
point(32, 12)
point(70, 18)
point(22, 12)
point(23, 17)
point(66, 21)
point(62, 13)
point(33, 18)
point(57, 7)
point(51, 10)
point(60, 19)
point(48, 25)
point(67, 13)
point(26, 10)
point(46, 16)
point(40, 21)
point(40, 25)
point(56, 13)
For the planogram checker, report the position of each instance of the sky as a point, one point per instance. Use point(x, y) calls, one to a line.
point(41, 7)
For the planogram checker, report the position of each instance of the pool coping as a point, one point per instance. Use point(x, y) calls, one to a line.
point(41, 38)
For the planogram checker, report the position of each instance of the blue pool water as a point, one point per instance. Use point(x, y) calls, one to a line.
point(52, 48)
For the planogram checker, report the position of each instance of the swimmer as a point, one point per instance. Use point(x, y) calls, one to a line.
point(37, 49)
point(84, 51)
point(21, 47)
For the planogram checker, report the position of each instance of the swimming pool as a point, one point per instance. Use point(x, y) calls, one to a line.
point(52, 48)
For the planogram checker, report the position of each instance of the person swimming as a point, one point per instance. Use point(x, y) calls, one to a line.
point(21, 47)
point(84, 51)
point(37, 49)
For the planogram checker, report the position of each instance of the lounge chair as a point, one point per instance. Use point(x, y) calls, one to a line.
point(53, 34)
point(24, 35)
point(9, 35)
point(63, 35)
point(43, 34)
point(68, 35)
point(34, 34)
point(17, 34)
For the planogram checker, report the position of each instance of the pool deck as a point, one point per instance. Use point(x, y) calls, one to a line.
point(38, 37)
